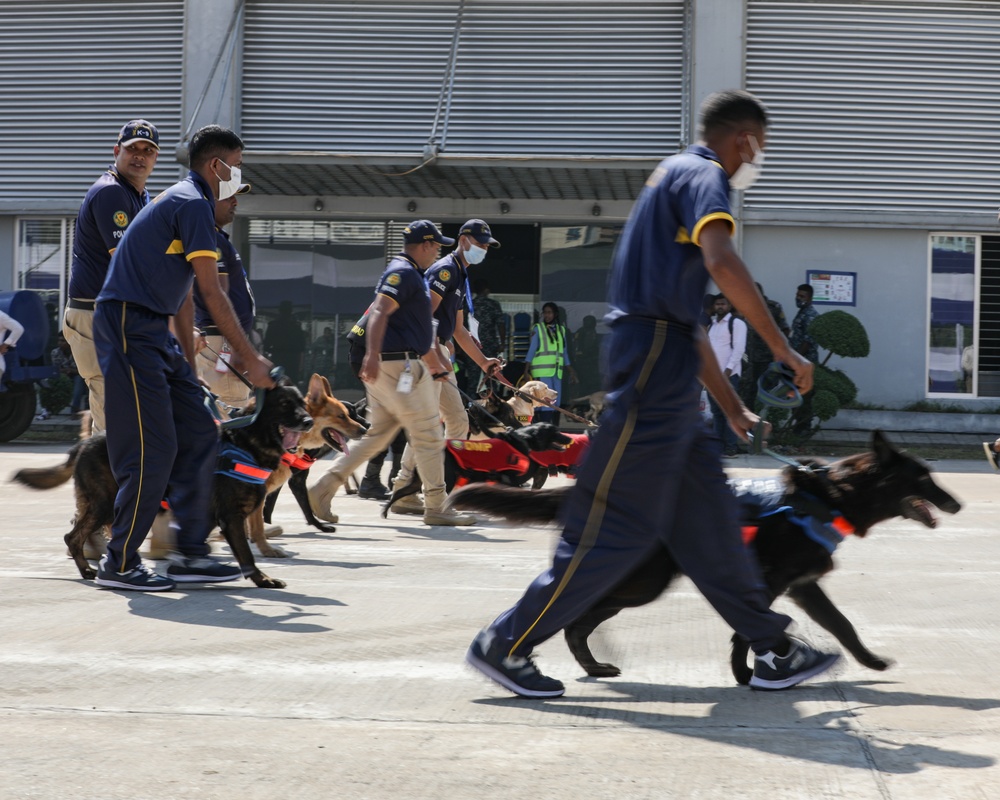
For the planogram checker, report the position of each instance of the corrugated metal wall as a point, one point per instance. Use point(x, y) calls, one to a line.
point(73, 74)
point(477, 78)
point(878, 106)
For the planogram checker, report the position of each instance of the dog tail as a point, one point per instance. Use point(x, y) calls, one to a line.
point(510, 503)
point(49, 477)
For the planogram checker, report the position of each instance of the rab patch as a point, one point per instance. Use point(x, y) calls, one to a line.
point(120, 219)
point(394, 279)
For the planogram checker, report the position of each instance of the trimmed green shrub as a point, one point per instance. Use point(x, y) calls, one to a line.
point(840, 333)
point(55, 394)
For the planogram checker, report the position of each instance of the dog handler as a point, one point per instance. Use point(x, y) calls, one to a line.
point(677, 237)
point(164, 440)
point(400, 367)
point(448, 279)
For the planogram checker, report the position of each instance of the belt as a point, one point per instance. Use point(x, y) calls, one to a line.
point(399, 356)
point(211, 330)
point(81, 305)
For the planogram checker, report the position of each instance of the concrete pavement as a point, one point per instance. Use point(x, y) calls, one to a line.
point(350, 683)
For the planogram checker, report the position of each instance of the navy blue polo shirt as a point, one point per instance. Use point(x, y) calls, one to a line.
point(151, 266)
point(409, 326)
point(658, 269)
point(447, 279)
point(108, 208)
point(240, 295)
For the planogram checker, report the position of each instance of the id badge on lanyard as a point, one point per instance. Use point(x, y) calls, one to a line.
point(405, 383)
point(225, 357)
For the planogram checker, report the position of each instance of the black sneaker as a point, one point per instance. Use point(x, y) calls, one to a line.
point(991, 456)
point(519, 675)
point(201, 569)
point(372, 491)
point(771, 671)
point(139, 579)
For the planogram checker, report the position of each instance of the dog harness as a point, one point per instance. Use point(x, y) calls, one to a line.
point(239, 464)
point(563, 458)
point(487, 455)
point(298, 463)
point(763, 497)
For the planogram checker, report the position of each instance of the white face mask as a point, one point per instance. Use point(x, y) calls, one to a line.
point(749, 171)
point(475, 255)
point(230, 187)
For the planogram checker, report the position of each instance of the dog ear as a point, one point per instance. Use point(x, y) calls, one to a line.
point(885, 451)
point(315, 391)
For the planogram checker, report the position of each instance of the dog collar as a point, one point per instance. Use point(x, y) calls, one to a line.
point(302, 462)
point(239, 464)
point(525, 418)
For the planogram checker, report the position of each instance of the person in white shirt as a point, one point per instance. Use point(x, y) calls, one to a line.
point(10, 332)
point(728, 337)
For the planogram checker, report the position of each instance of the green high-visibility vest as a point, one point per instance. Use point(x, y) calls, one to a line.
point(549, 357)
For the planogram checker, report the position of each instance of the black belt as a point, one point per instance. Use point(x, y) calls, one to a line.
point(211, 330)
point(81, 305)
point(399, 356)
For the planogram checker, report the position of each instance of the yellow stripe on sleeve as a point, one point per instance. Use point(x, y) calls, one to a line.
point(709, 218)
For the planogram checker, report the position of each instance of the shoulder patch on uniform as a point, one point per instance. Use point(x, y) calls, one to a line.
point(394, 279)
point(120, 219)
point(445, 275)
point(657, 175)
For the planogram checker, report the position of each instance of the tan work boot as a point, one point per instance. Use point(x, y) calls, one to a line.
point(321, 496)
point(270, 531)
point(441, 517)
point(411, 504)
point(161, 538)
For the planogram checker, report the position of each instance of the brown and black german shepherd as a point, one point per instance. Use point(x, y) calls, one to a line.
point(277, 430)
point(334, 423)
point(864, 489)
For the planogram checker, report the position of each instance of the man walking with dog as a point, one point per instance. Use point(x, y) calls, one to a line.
point(107, 210)
point(653, 475)
point(164, 441)
point(401, 366)
point(448, 279)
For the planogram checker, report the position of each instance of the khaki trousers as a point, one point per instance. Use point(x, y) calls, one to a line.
point(417, 412)
point(456, 420)
point(230, 389)
point(78, 328)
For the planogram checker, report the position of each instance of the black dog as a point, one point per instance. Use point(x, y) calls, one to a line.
point(504, 458)
point(862, 489)
point(277, 430)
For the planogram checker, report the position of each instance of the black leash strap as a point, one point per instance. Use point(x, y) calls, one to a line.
point(782, 394)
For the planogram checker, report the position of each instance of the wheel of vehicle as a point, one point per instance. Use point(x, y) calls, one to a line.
point(17, 409)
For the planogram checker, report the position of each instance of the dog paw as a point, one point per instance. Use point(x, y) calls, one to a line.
point(88, 574)
point(264, 582)
point(270, 551)
point(875, 662)
point(326, 527)
point(599, 670)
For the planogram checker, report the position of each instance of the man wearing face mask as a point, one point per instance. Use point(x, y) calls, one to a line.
point(653, 473)
point(164, 440)
point(448, 279)
point(106, 212)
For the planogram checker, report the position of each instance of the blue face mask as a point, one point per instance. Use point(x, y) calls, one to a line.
point(475, 255)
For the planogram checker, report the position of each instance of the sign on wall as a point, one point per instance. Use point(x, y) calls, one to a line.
point(833, 288)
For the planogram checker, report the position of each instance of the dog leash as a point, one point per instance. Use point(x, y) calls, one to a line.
point(529, 398)
point(234, 423)
point(480, 410)
point(783, 394)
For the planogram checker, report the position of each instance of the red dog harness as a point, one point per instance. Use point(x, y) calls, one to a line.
point(487, 455)
point(563, 458)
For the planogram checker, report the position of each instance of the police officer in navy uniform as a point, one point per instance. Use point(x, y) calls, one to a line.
point(164, 441)
point(448, 279)
point(106, 212)
point(401, 365)
point(653, 474)
point(212, 359)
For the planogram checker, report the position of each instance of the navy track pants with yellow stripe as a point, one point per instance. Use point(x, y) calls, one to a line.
point(652, 476)
point(162, 439)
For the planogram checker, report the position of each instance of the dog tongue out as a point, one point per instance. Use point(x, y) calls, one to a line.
point(290, 439)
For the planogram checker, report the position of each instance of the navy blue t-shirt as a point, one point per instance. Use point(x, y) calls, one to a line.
point(447, 279)
point(658, 269)
point(108, 208)
point(239, 292)
point(151, 266)
point(409, 326)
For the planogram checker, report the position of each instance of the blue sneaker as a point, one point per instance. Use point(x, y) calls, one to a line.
point(802, 662)
point(140, 579)
point(517, 674)
point(200, 569)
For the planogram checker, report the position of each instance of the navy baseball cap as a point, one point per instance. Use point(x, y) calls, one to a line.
point(138, 130)
point(423, 230)
point(479, 231)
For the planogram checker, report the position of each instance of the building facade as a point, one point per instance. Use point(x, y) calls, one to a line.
point(544, 118)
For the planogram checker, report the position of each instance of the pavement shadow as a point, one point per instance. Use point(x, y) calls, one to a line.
point(778, 728)
point(222, 606)
point(446, 533)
